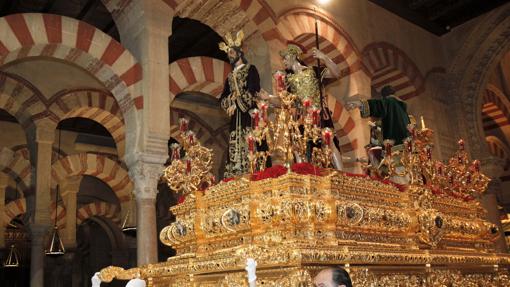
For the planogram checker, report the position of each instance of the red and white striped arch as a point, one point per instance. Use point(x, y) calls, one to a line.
point(299, 25)
point(388, 65)
point(495, 110)
point(198, 74)
point(12, 210)
point(97, 105)
point(20, 100)
point(16, 166)
point(33, 34)
point(98, 208)
point(99, 166)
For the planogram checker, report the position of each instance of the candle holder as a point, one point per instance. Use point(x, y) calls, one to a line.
point(192, 172)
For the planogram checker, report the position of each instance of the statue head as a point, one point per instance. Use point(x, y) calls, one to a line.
point(387, 91)
point(232, 47)
point(292, 55)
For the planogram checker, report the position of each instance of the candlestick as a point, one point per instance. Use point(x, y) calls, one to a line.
point(191, 137)
point(176, 154)
point(251, 142)
point(255, 117)
point(279, 77)
point(327, 134)
point(183, 124)
point(461, 144)
point(188, 166)
point(263, 106)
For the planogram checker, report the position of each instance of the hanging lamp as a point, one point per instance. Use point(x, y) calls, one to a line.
point(127, 226)
point(55, 246)
point(12, 260)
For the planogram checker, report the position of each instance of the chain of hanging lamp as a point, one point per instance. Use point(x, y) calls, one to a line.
point(55, 246)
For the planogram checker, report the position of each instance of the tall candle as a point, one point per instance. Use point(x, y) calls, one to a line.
point(327, 134)
point(251, 143)
point(316, 116)
point(183, 124)
point(422, 123)
point(255, 117)
point(188, 166)
point(176, 154)
point(191, 138)
point(279, 77)
point(263, 107)
point(307, 102)
point(461, 144)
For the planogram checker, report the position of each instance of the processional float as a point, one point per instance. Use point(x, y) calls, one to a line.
point(295, 219)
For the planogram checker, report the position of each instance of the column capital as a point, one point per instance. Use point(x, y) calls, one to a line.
point(4, 180)
point(70, 185)
point(43, 131)
point(145, 176)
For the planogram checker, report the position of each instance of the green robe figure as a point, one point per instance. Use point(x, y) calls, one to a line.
point(390, 110)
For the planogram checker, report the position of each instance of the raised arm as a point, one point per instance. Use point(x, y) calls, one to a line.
point(332, 70)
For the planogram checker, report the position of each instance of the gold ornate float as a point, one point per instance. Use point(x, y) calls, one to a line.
point(296, 224)
point(296, 221)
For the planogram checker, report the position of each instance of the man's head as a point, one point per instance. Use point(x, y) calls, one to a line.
point(332, 277)
point(235, 54)
point(232, 47)
point(291, 55)
point(387, 91)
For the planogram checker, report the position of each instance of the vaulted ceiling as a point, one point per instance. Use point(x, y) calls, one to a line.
point(439, 16)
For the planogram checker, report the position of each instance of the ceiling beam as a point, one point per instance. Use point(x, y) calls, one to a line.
point(86, 8)
point(444, 9)
point(49, 5)
point(411, 16)
point(108, 29)
point(8, 7)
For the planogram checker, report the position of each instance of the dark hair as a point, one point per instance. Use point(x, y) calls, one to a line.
point(240, 53)
point(341, 277)
point(387, 91)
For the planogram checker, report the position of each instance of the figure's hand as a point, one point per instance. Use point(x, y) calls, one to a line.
point(231, 110)
point(317, 54)
point(251, 267)
point(353, 105)
point(264, 95)
point(96, 281)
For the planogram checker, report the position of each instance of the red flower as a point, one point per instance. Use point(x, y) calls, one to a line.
point(228, 179)
point(271, 172)
point(181, 199)
point(306, 168)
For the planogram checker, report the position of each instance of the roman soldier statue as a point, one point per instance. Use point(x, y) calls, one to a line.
point(304, 82)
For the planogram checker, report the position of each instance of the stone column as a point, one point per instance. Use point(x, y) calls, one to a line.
point(41, 138)
point(38, 233)
point(3, 185)
point(144, 27)
point(69, 189)
point(146, 176)
point(493, 167)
